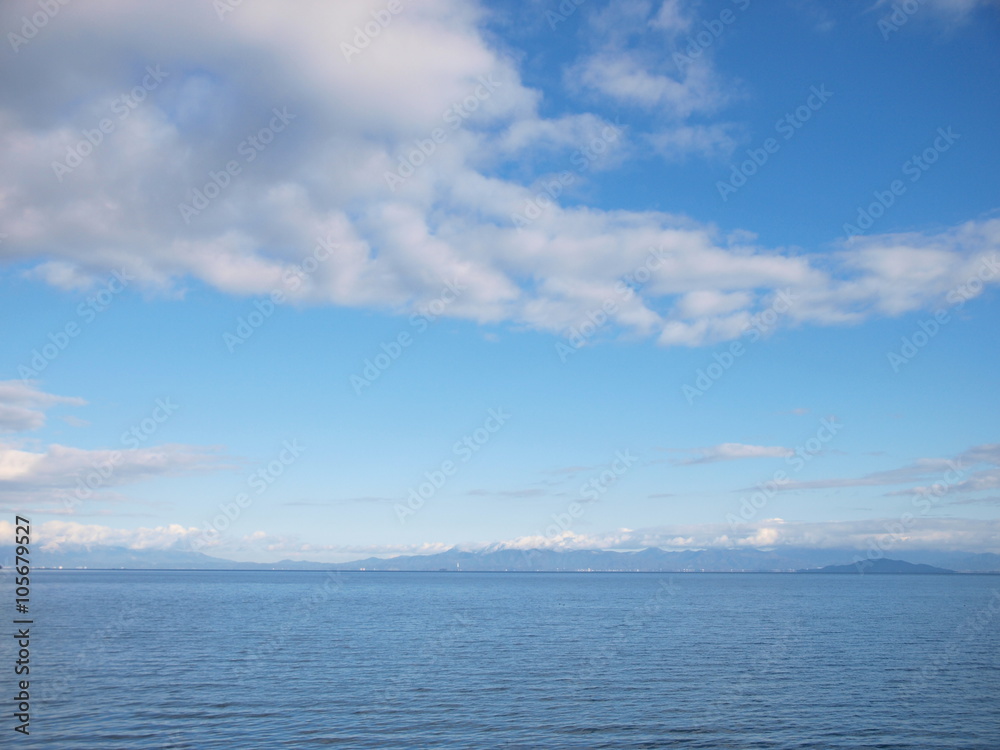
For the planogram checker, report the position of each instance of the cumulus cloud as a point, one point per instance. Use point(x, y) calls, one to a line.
point(52, 535)
point(354, 121)
point(23, 406)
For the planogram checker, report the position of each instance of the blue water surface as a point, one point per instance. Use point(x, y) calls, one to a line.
point(271, 659)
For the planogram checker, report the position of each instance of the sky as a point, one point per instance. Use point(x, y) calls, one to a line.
point(307, 280)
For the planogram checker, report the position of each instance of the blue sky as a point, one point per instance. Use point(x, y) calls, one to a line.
point(645, 273)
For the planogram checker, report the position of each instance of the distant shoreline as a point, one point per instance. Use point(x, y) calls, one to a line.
point(521, 572)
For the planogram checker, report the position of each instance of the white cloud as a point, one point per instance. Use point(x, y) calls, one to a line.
point(708, 141)
point(672, 17)
point(736, 451)
point(626, 78)
point(62, 477)
point(23, 406)
point(707, 302)
point(570, 131)
point(15, 464)
point(56, 535)
point(815, 12)
point(52, 535)
point(61, 275)
point(947, 475)
point(950, 10)
point(324, 177)
point(923, 533)
point(631, 62)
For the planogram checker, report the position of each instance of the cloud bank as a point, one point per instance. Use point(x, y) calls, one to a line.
point(185, 147)
point(930, 533)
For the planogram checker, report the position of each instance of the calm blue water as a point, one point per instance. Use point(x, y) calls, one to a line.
point(446, 660)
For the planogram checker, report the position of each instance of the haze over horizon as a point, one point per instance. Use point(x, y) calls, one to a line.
point(386, 278)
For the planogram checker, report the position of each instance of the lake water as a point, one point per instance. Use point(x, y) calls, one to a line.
point(134, 659)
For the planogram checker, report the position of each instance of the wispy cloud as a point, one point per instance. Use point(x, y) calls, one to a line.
point(734, 452)
point(23, 405)
point(364, 499)
point(43, 481)
point(815, 13)
point(706, 141)
point(528, 492)
point(950, 11)
point(958, 474)
point(570, 470)
point(977, 501)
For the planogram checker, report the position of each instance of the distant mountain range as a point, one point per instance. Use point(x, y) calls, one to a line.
point(785, 559)
point(883, 565)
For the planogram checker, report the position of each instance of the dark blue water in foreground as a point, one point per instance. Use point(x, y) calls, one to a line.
point(472, 660)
